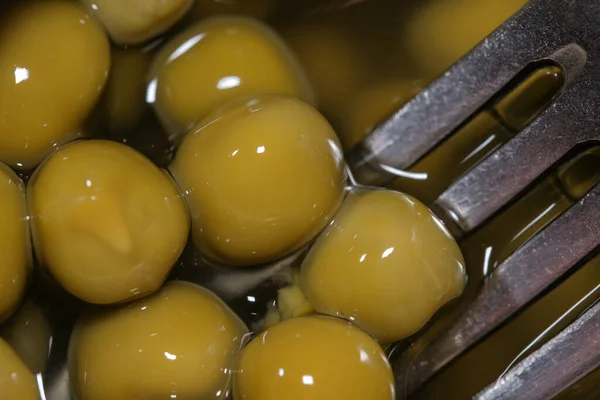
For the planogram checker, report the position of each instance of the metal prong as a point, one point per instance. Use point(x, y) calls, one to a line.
point(565, 32)
point(518, 280)
point(439, 109)
point(476, 195)
point(499, 178)
point(555, 366)
point(541, 30)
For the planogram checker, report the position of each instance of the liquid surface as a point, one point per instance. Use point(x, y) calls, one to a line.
point(282, 363)
point(15, 249)
point(107, 223)
point(547, 316)
point(431, 175)
point(178, 343)
point(537, 324)
point(44, 99)
point(525, 102)
point(386, 263)
point(520, 102)
point(505, 233)
point(579, 175)
point(235, 169)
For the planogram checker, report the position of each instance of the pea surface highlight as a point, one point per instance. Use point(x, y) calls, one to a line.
point(54, 62)
point(131, 22)
point(218, 60)
point(107, 223)
point(387, 263)
point(317, 358)
point(178, 343)
point(261, 178)
point(16, 381)
point(15, 249)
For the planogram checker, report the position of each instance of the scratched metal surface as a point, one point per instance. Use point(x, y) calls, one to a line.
point(561, 31)
point(553, 367)
point(514, 283)
point(563, 35)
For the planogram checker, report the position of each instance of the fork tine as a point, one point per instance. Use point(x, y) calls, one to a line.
point(539, 29)
point(559, 363)
point(519, 279)
point(569, 121)
point(565, 32)
point(475, 196)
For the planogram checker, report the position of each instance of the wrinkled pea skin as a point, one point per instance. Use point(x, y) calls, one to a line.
point(107, 223)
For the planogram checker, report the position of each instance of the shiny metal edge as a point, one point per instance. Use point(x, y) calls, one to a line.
point(562, 361)
point(524, 275)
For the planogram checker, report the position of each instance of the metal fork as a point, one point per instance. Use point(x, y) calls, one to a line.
point(564, 32)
